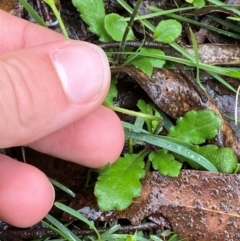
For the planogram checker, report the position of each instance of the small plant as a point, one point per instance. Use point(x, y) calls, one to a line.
point(180, 145)
point(183, 140)
point(111, 27)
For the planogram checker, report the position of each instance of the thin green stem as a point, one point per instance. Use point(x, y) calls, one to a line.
point(159, 13)
point(217, 30)
point(228, 7)
point(52, 5)
point(129, 27)
point(133, 113)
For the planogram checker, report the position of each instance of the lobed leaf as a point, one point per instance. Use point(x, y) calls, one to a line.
point(93, 13)
point(196, 127)
point(223, 158)
point(167, 31)
point(165, 163)
point(117, 186)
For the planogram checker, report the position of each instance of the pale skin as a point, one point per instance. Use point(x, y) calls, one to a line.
point(37, 111)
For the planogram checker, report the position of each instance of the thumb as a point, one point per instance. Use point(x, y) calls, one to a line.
point(49, 86)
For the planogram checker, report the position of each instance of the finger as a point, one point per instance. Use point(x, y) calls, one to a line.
point(47, 87)
point(17, 33)
point(26, 195)
point(93, 141)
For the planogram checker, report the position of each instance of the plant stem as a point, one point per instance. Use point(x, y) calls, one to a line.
point(130, 112)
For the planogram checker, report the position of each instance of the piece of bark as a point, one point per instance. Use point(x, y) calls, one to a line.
point(218, 54)
point(176, 95)
point(197, 205)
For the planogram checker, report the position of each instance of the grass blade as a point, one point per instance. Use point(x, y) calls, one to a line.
point(33, 13)
point(78, 216)
point(68, 234)
point(62, 187)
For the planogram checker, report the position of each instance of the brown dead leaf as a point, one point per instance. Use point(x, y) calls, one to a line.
point(7, 5)
point(200, 206)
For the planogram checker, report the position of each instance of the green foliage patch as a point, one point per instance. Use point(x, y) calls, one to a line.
point(116, 28)
point(165, 163)
point(171, 151)
point(93, 13)
point(120, 183)
point(196, 127)
point(223, 158)
point(167, 31)
point(146, 64)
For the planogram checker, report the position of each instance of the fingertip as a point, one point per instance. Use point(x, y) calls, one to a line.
point(106, 135)
point(26, 194)
point(112, 136)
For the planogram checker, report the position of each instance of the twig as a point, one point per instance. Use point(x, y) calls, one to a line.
point(149, 44)
point(45, 233)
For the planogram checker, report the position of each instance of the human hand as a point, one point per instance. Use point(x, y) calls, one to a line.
point(51, 94)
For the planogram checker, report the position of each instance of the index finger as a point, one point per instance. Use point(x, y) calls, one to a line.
point(17, 33)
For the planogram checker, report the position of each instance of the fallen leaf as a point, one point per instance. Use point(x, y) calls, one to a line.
point(197, 205)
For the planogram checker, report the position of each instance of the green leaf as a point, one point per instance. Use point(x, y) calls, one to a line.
point(223, 158)
point(62, 187)
point(198, 3)
point(117, 186)
point(93, 14)
point(146, 64)
point(165, 163)
point(112, 93)
point(116, 28)
point(167, 31)
point(196, 127)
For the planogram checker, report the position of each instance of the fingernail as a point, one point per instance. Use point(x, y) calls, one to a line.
point(83, 70)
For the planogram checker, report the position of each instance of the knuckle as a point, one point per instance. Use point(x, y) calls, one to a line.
point(18, 89)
